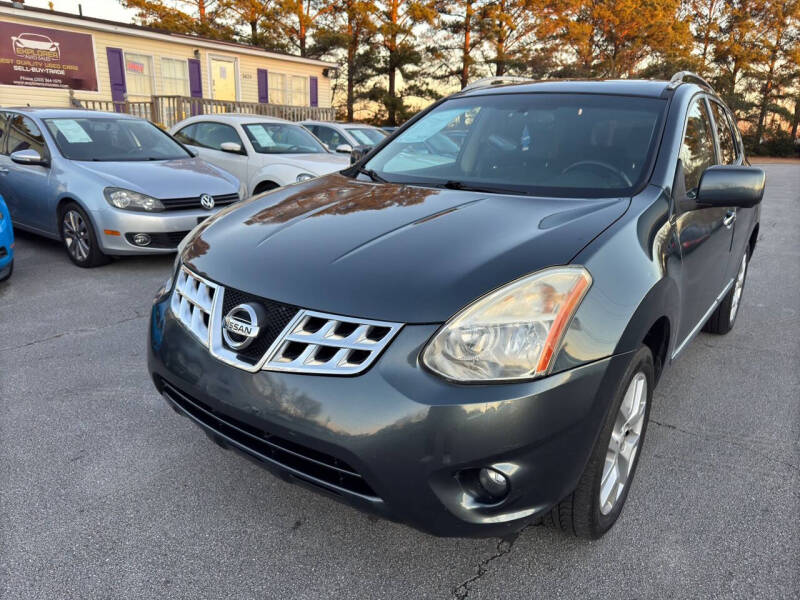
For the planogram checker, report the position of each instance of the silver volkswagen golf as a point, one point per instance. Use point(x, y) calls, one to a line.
point(105, 183)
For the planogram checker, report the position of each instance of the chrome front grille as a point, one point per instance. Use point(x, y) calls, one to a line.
point(193, 303)
point(310, 341)
point(329, 344)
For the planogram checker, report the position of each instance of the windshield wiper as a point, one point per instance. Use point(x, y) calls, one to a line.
point(453, 184)
point(372, 175)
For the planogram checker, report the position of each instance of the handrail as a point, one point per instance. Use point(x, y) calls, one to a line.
point(490, 81)
point(681, 77)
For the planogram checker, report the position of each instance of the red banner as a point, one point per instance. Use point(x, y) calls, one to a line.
point(51, 58)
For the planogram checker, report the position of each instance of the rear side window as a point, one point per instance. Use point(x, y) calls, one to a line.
point(208, 135)
point(697, 149)
point(23, 134)
point(727, 145)
point(3, 120)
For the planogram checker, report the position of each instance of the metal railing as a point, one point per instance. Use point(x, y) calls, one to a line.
point(168, 110)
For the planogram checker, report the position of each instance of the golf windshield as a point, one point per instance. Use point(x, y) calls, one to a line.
point(110, 140)
point(570, 145)
point(277, 138)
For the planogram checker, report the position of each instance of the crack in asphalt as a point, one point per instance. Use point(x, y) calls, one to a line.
point(73, 331)
point(749, 447)
point(504, 546)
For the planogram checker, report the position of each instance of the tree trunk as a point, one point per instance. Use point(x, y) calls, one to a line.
point(201, 9)
point(796, 120)
point(465, 53)
point(762, 113)
point(254, 32)
point(391, 109)
point(352, 48)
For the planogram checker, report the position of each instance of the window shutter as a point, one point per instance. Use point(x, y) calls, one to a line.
point(263, 86)
point(116, 74)
point(313, 87)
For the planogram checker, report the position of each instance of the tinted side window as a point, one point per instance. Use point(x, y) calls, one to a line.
point(3, 120)
point(186, 135)
point(330, 137)
point(697, 149)
point(727, 145)
point(213, 135)
point(23, 134)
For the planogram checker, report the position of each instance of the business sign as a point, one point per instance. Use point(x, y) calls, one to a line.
point(50, 58)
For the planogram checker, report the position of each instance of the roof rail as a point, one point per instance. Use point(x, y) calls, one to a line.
point(681, 77)
point(490, 81)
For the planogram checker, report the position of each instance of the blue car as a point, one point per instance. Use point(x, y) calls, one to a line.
point(6, 242)
point(105, 184)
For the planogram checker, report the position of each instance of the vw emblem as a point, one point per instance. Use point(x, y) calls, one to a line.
point(240, 327)
point(207, 201)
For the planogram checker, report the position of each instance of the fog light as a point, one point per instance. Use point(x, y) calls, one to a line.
point(494, 483)
point(141, 239)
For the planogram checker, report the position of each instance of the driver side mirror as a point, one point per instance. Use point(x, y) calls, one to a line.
point(28, 157)
point(231, 147)
point(344, 148)
point(729, 185)
point(359, 152)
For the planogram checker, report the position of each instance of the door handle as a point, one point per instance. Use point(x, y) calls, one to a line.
point(730, 217)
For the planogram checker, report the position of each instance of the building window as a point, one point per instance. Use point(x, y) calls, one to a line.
point(277, 88)
point(174, 77)
point(288, 89)
point(299, 95)
point(139, 74)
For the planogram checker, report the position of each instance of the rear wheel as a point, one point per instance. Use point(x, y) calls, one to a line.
point(723, 319)
point(79, 237)
point(597, 501)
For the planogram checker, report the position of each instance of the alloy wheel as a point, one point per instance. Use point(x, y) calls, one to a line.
point(737, 289)
point(76, 235)
point(624, 443)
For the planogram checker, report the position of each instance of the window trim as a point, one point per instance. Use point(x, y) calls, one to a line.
point(728, 123)
point(287, 88)
point(153, 92)
point(185, 63)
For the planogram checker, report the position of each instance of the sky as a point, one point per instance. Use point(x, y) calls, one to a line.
point(102, 9)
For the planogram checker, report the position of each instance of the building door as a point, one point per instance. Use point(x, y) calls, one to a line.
point(223, 79)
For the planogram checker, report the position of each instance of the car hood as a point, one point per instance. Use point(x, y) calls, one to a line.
point(180, 178)
point(391, 252)
point(316, 164)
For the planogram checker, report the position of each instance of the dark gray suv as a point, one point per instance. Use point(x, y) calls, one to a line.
point(463, 331)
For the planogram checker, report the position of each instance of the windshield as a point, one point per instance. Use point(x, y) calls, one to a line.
point(367, 135)
point(571, 145)
point(277, 138)
point(108, 139)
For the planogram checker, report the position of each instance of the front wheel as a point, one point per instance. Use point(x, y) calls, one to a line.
point(597, 501)
point(79, 238)
point(723, 319)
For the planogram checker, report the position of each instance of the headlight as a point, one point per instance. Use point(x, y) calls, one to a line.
point(305, 177)
point(130, 200)
point(511, 333)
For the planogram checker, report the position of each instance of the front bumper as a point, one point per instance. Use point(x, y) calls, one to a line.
point(393, 439)
point(161, 226)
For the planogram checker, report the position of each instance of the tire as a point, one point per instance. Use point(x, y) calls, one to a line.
point(10, 271)
point(79, 237)
point(582, 513)
point(723, 319)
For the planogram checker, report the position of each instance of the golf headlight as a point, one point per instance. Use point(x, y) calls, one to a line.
point(511, 333)
point(130, 200)
point(304, 177)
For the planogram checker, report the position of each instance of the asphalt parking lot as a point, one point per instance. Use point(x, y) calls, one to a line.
point(107, 493)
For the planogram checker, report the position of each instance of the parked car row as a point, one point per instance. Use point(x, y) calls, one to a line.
point(109, 184)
